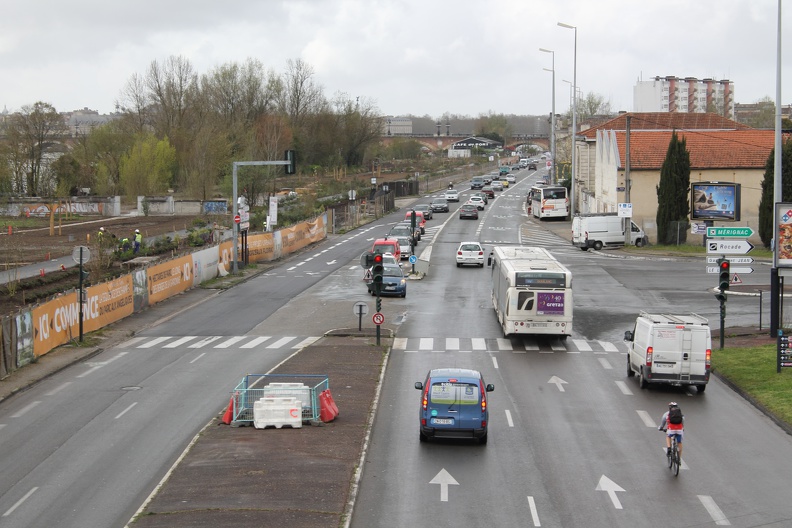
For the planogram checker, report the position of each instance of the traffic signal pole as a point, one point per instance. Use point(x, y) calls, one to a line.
point(724, 279)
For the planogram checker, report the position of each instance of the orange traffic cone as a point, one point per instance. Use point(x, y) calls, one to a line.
point(228, 416)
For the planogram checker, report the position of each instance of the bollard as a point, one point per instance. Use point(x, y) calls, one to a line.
point(10, 230)
point(41, 272)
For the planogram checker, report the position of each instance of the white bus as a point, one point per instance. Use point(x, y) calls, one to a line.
point(531, 293)
point(549, 201)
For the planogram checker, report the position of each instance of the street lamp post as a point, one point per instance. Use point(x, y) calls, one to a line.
point(552, 121)
point(574, 114)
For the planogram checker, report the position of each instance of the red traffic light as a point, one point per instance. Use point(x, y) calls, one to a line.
point(724, 265)
point(378, 258)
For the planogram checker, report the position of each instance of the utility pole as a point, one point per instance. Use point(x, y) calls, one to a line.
point(627, 221)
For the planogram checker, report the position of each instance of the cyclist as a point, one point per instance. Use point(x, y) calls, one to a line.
point(672, 429)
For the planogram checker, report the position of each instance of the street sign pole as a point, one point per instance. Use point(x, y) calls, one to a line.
point(80, 289)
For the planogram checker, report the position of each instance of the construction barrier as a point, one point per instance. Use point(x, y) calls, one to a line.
point(277, 411)
point(304, 388)
point(328, 410)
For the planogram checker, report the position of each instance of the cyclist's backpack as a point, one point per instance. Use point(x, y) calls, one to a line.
point(675, 415)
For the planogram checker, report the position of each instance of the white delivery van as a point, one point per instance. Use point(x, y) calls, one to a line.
point(598, 230)
point(670, 349)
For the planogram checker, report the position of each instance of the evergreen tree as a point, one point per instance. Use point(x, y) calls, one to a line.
point(673, 198)
point(766, 202)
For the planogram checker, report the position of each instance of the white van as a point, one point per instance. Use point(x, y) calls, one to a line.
point(603, 229)
point(670, 349)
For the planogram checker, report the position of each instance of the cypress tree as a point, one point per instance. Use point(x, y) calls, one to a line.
point(673, 193)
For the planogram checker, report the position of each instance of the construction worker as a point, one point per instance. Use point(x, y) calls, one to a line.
point(138, 240)
point(124, 244)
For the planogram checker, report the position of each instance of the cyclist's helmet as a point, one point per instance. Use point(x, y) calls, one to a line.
point(672, 404)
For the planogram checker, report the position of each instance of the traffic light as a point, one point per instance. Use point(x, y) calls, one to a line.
point(377, 269)
point(290, 158)
point(724, 275)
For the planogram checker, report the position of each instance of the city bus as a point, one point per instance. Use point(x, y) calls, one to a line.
point(531, 293)
point(549, 201)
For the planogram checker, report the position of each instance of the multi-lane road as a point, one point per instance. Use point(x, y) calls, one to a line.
point(573, 441)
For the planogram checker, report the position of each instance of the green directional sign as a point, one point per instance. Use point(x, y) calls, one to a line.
point(729, 232)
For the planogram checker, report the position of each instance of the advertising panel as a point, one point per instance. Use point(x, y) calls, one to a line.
point(169, 278)
point(226, 250)
point(54, 321)
point(24, 331)
point(299, 236)
point(107, 303)
point(205, 264)
point(261, 247)
point(783, 214)
point(715, 201)
point(549, 303)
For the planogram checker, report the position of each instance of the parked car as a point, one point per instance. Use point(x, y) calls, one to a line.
point(439, 205)
point(468, 211)
point(420, 221)
point(425, 209)
point(452, 195)
point(477, 201)
point(489, 191)
point(454, 405)
point(497, 186)
point(393, 282)
point(470, 253)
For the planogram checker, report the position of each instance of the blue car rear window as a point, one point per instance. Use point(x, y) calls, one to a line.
point(454, 393)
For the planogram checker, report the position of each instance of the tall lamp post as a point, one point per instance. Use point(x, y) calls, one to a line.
point(552, 121)
point(574, 114)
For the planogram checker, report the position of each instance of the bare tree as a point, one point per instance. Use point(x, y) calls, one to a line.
point(359, 126)
point(300, 95)
point(36, 133)
point(169, 88)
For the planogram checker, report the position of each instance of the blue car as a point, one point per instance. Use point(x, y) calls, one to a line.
point(393, 282)
point(454, 404)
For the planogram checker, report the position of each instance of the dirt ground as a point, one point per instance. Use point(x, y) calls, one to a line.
point(34, 245)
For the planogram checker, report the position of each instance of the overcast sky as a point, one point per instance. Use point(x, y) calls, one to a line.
point(420, 57)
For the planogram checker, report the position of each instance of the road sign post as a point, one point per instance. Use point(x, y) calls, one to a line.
point(360, 309)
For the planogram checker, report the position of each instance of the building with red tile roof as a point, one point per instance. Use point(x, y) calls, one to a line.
point(720, 150)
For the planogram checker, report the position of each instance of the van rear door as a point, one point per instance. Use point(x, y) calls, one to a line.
point(454, 405)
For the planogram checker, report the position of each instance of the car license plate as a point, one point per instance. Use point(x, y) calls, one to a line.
point(443, 421)
point(390, 287)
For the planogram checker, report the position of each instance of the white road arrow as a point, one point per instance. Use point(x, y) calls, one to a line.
point(607, 485)
point(444, 478)
point(331, 262)
point(558, 381)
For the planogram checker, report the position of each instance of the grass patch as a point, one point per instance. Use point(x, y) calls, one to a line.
point(754, 371)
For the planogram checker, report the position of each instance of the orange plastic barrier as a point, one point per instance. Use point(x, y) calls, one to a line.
point(328, 410)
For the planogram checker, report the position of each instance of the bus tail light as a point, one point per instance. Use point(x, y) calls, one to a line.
point(649, 353)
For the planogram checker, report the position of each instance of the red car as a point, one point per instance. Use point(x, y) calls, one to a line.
point(489, 191)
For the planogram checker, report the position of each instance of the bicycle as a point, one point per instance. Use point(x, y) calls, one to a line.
point(673, 456)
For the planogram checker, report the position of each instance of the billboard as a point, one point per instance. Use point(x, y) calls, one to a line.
point(715, 201)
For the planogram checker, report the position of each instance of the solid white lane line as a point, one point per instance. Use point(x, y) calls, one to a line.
point(59, 388)
point(582, 345)
point(122, 413)
point(202, 354)
point(155, 341)
point(534, 512)
point(25, 409)
point(180, 341)
point(280, 342)
point(623, 387)
point(646, 419)
point(228, 342)
point(255, 342)
point(607, 346)
point(18, 503)
point(205, 341)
